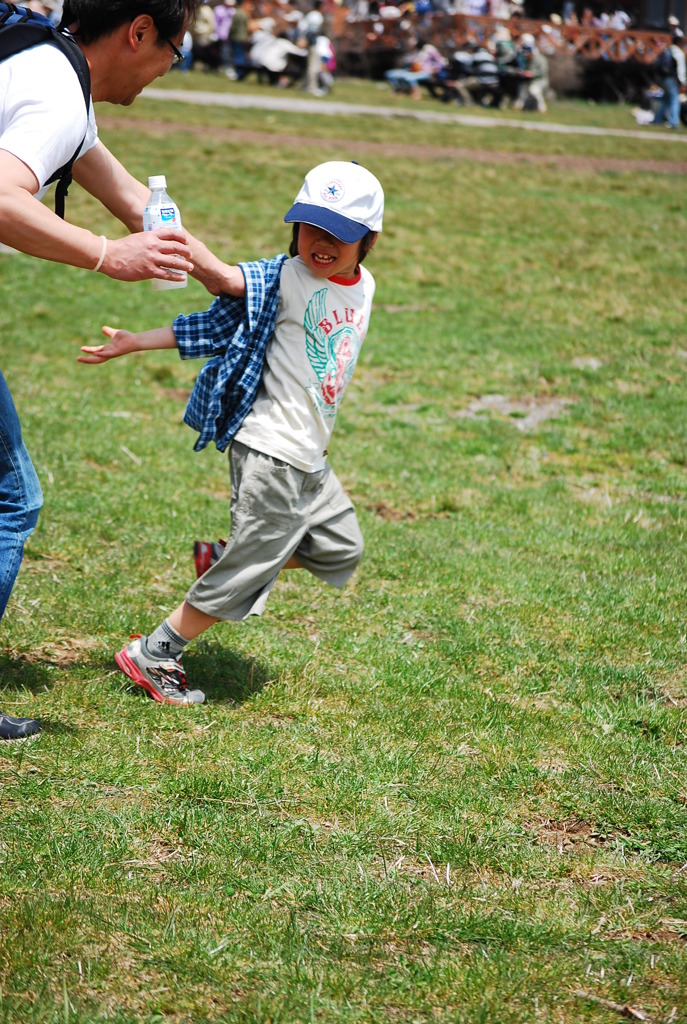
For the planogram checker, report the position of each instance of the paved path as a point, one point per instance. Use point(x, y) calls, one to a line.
point(305, 105)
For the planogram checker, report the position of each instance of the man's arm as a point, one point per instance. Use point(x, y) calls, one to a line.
point(101, 174)
point(33, 228)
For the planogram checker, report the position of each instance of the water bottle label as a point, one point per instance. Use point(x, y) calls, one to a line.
point(168, 216)
point(156, 217)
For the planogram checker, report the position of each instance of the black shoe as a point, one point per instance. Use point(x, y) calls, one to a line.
point(17, 728)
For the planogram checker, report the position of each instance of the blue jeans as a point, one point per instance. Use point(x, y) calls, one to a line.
point(670, 103)
point(404, 80)
point(20, 495)
point(240, 59)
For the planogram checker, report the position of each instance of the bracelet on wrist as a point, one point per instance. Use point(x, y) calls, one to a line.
point(99, 264)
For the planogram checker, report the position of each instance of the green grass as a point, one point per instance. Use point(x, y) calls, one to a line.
point(455, 791)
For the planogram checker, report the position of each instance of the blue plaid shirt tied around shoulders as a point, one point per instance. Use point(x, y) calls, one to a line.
point(233, 333)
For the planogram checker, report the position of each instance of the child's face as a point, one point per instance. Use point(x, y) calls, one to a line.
point(325, 255)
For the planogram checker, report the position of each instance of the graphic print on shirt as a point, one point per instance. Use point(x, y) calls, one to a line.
point(332, 343)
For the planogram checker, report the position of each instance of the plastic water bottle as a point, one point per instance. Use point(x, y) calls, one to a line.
point(161, 212)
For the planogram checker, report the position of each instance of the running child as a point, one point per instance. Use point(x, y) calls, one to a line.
point(282, 345)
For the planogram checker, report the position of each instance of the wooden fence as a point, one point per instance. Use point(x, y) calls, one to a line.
point(364, 47)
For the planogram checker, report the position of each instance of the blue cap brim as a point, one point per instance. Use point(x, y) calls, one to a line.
point(341, 227)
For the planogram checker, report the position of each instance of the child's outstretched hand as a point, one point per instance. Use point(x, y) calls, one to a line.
point(121, 343)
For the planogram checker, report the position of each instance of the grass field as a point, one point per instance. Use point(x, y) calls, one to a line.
point(455, 792)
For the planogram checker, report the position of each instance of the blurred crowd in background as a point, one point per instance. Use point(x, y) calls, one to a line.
point(290, 43)
point(497, 72)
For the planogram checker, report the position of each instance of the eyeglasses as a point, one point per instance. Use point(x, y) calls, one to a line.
point(178, 55)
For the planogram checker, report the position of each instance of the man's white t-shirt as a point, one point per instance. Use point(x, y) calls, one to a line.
point(680, 66)
point(320, 329)
point(42, 111)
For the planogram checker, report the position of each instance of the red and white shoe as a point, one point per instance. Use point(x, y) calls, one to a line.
point(165, 680)
point(206, 553)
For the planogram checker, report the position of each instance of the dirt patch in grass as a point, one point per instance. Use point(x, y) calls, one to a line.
point(392, 515)
point(567, 834)
point(175, 394)
point(425, 871)
point(667, 930)
point(525, 413)
point(408, 150)
point(554, 764)
point(60, 653)
point(675, 687)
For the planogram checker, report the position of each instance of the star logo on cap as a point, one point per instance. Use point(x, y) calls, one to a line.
point(333, 191)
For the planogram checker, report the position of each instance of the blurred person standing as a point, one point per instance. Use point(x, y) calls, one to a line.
point(206, 44)
point(671, 75)
point(223, 15)
point(327, 54)
point(238, 38)
point(309, 28)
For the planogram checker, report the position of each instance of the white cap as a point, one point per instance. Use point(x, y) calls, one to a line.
point(343, 198)
point(157, 181)
point(527, 41)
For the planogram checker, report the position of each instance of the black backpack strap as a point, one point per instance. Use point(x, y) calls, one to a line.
point(73, 53)
point(21, 29)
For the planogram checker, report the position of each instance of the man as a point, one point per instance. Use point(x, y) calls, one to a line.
point(481, 83)
point(43, 118)
point(507, 58)
point(534, 72)
point(671, 75)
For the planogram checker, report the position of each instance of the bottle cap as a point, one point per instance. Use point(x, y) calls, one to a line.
point(157, 181)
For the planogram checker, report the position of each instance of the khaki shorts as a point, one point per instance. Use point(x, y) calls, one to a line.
point(277, 511)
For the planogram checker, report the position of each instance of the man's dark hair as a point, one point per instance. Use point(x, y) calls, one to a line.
point(99, 18)
point(365, 244)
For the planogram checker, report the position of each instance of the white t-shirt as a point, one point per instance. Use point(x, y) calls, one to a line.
point(320, 329)
point(42, 111)
point(681, 68)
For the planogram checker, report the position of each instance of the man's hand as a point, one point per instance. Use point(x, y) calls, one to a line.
point(148, 254)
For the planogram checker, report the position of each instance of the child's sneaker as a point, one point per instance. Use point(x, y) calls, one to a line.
point(206, 553)
point(165, 681)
